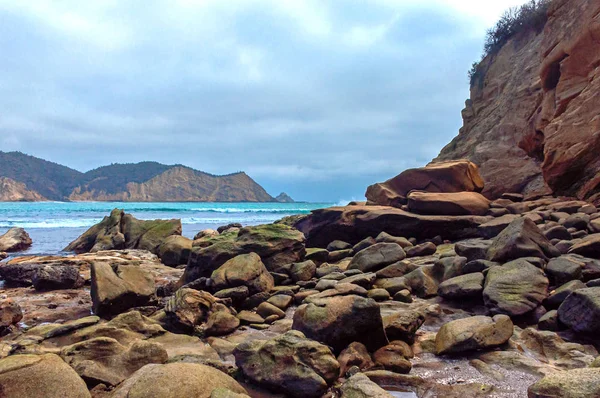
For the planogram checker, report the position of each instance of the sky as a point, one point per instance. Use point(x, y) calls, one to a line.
point(317, 98)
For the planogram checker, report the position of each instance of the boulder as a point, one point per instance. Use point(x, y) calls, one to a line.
point(492, 228)
point(123, 231)
point(360, 386)
point(403, 325)
point(394, 357)
point(375, 257)
point(557, 296)
point(177, 379)
point(356, 354)
point(10, 314)
point(104, 360)
point(455, 176)
point(522, 238)
point(289, 363)
point(581, 310)
point(340, 320)
point(188, 308)
point(15, 240)
point(338, 245)
point(473, 249)
point(448, 204)
point(33, 376)
point(464, 286)
point(175, 250)
point(355, 223)
point(588, 246)
point(515, 288)
point(424, 249)
point(303, 271)
point(205, 233)
point(574, 383)
point(243, 270)
point(563, 269)
point(117, 288)
point(51, 277)
point(473, 333)
point(384, 237)
point(276, 244)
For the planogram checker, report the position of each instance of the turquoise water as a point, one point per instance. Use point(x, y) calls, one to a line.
point(52, 225)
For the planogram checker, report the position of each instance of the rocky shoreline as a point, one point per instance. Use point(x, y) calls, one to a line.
point(428, 290)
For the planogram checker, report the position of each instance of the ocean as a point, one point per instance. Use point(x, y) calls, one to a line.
point(53, 225)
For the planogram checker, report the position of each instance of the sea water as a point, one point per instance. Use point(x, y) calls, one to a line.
point(53, 225)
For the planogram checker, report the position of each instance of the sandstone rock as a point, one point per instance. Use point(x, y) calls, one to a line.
point(355, 223)
point(10, 314)
point(369, 241)
point(549, 321)
point(15, 240)
point(378, 294)
point(575, 383)
point(50, 277)
point(474, 333)
point(492, 228)
point(206, 233)
point(473, 249)
point(588, 246)
point(31, 376)
point(303, 271)
point(338, 245)
point(276, 244)
point(175, 250)
point(341, 320)
point(454, 176)
point(562, 270)
point(221, 321)
point(394, 357)
point(105, 360)
point(243, 270)
point(356, 354)
point(176, 380)
point(281, 301)
point(119, 288)
point(189, 308)
point(290, 363)
point(464, 286)
point(559, 295)
point(448, 204)
point(123, 231)
point(399, 268)
point(514, 288)
point(581, 310)
point(360, 386)
point(522, 238)
point(384, 237)
point(424, 249)
point(225, 228)
point(377, 256)
point(403, 325)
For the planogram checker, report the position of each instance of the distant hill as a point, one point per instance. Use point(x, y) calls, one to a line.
point(27, 178)
point(284, 198)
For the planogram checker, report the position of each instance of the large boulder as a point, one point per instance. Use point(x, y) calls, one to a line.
point(276, 244)
point(454, 176)
point(119, 287)
point(574, 383)
point(33, 376)
point(178, 379)
point(581, 310)
point(448, 204)
point(105, 360)
point(355, 223)
point(360, 386)
point(123, 231)
point(15, 240)
point(376, 257)
point(175, 250)
point(463, 286)
point(522, 238)
point(243, 270)
point(340, 320)
point(290, 364)
point(515, 288)
point(588, 246)
point(474, 333)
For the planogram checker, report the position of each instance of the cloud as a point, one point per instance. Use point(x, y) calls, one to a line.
point(315, 98)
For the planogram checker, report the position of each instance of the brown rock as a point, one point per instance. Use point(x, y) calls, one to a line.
point(10, 314)
point(356, 354)
point(448, 204)
point(456, 176)
point(477, 332)
point(15, 240)
point(243, 270)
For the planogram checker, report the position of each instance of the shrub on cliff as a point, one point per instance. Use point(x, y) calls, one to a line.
point(530, 16)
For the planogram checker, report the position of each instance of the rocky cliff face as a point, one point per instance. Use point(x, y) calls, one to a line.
point(532, 123)
point(182, 184)
point(13, 191)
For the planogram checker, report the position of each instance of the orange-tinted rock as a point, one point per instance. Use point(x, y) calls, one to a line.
point(532, 120)
point(448, 204)
point(455, 176)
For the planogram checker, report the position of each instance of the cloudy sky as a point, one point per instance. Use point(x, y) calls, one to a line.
point(317, 98)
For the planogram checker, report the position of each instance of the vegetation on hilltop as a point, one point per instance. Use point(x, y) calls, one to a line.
point(532, 15)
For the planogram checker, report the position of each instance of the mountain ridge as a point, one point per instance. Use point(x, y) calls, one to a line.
point(28, 178)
